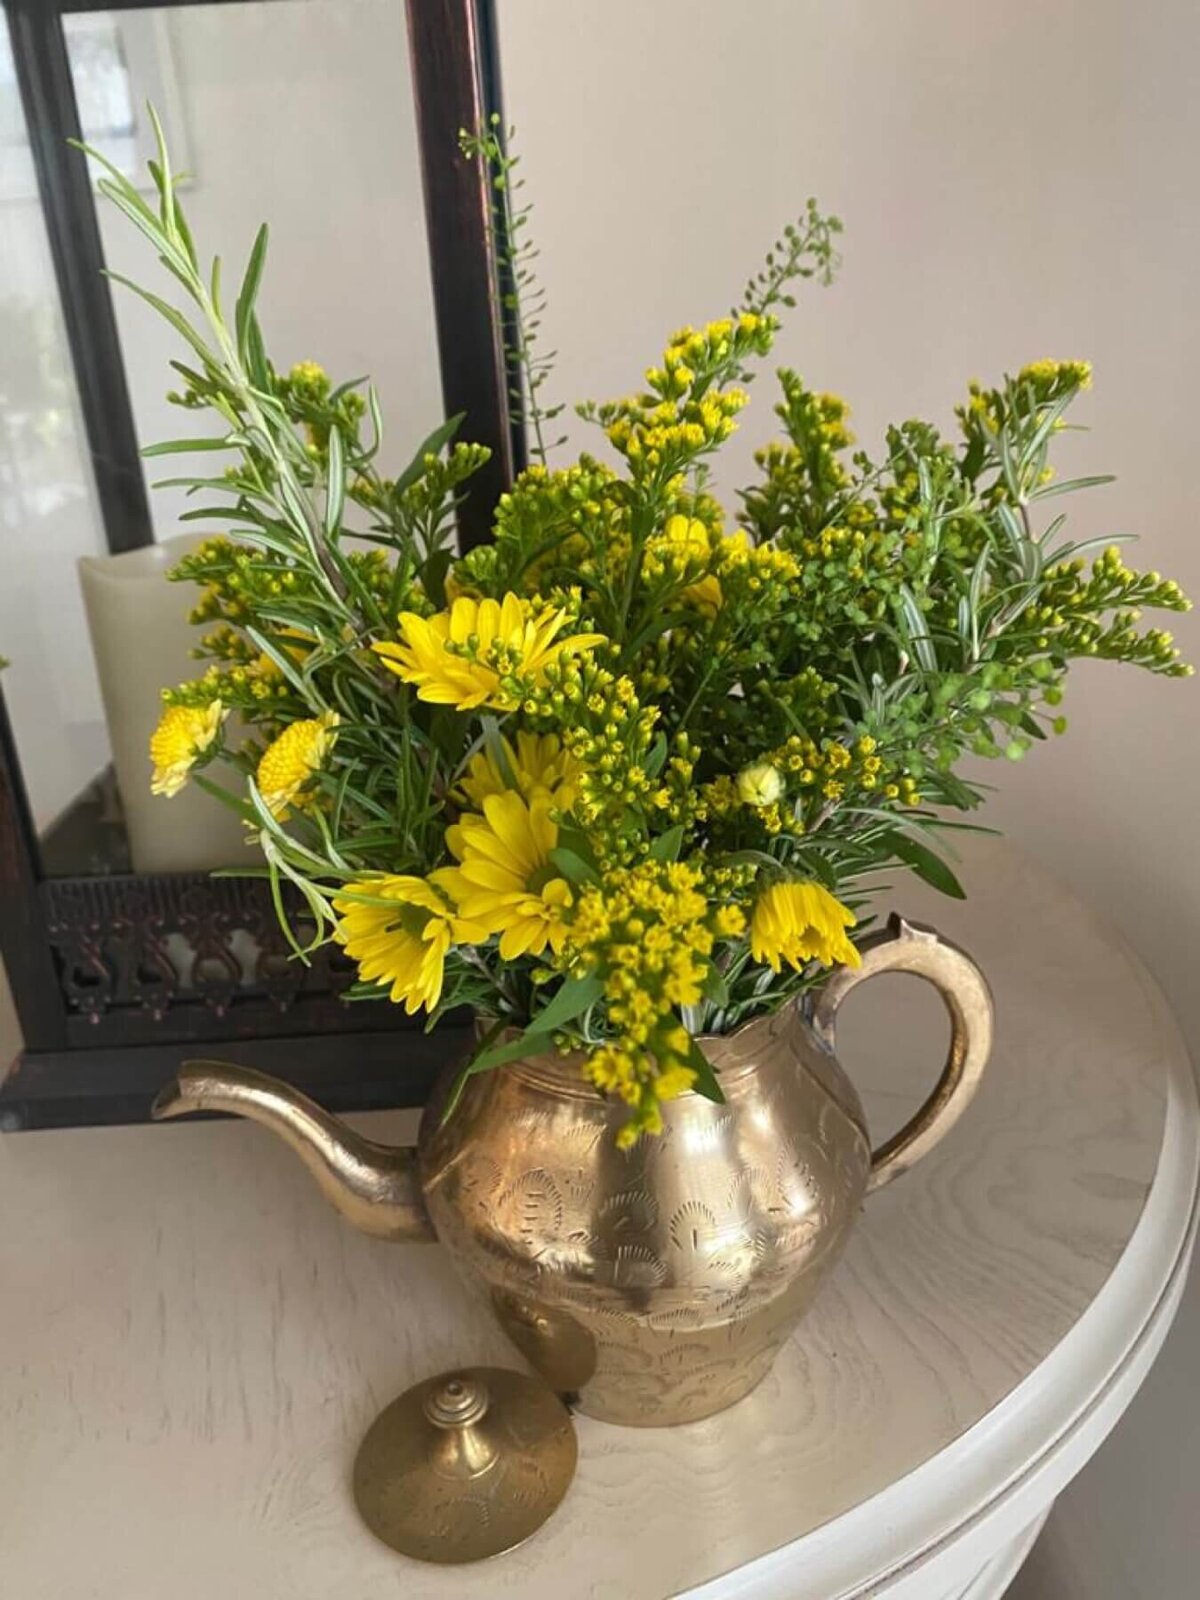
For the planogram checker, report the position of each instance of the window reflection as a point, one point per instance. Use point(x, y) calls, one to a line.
point(48, 511)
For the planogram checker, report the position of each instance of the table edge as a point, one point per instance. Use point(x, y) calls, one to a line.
point(963, 1503)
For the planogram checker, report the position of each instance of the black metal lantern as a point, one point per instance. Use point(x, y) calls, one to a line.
point(117, 974)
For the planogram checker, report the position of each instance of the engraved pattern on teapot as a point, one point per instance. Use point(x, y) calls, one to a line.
point(665, 1278)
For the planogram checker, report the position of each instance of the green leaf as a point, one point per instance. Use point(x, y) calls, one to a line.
point(706, 1079)
point(751, 858)
point(916, 629)
point(575, 996)
point(927, 865)
point(576, 841)
point(235, 803)
point(433, 577)
point(667, 846)
point(571, 1001)
point(376, 416)
point(168, 312)
point(656, 760)
point(497, 750)
point(175, 447)
point(256, 356)
point(335, 495)
point(432, 446)
point(573, 867)
point(498, 1055)
point(1047, 491)
point(715, 987)
point(249, 291)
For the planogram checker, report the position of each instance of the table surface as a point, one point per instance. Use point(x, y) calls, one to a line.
point(192, 1344)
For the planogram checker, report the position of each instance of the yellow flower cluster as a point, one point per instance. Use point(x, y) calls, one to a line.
point(552, 529)
point(688, 410)
point(1057, 375)
point(987, 410)
point(647, 932)
point(481, 652)
point(183, 735)
point(806, 468)
point(683, 553)
point(310, 375)
point(651, 437)
point(606, 734)
point(289, 764)
point(814, 775)
point(832, 770)
point(700, 560)
point(695, 354)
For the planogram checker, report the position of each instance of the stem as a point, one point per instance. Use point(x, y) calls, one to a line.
point(521, 355)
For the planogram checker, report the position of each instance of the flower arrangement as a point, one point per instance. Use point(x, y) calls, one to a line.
point(625, 775)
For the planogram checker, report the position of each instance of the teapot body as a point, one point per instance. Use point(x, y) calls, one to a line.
point(655, 1285)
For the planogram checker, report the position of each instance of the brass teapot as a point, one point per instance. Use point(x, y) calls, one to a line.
point(653, 1285)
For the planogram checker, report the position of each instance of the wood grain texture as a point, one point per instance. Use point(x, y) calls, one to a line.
point(191, 1346)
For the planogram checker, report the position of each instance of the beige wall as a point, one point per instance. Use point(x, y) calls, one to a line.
point(1016, 181)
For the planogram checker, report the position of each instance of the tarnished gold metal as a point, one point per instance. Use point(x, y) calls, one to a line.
point(465, 1465)
point(656, 1284)
point(373, 1185)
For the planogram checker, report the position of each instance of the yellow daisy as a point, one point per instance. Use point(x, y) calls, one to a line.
point(538, 762)
point(183, 734)
point(403, 944)
point(480, 652)
point(505, 879)
point(288, 765)
point(799, 922)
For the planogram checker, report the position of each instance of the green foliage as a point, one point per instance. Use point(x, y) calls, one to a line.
point(522, 298)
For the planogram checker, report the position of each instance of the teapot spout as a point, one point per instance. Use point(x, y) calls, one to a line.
point(374, 1186)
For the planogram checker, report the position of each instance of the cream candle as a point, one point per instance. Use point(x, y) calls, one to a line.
point(141, 639)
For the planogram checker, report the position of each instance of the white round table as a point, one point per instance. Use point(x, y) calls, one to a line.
point(192, 1345)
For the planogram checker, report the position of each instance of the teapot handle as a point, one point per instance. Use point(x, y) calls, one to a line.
point(910, 947)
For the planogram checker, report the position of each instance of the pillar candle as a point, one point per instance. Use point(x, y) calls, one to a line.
point(141, 640)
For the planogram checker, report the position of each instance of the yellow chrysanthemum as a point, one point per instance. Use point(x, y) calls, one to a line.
point(538, 762)
point(288, 765)
point(183, 734)
point(481, 652)
point(505, 880)
point(403, 944)
point(799, 922)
